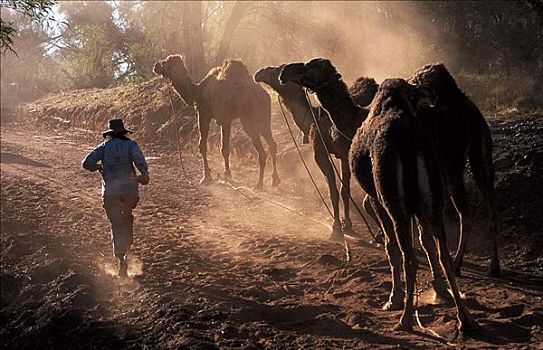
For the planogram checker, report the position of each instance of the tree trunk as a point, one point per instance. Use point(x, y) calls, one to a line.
point(193, 40)
point(238, 11)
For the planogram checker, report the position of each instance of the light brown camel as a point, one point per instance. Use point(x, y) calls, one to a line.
point(394, 159)
point(461, 134)
point(321, 76)
point(225, 94)
point(294, 99)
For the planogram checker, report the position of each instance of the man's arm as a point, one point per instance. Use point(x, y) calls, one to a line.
point(90, 162)
point(140, 163)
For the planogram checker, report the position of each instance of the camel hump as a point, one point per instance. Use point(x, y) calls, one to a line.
point(363, 90)
point(234, 70)
point(436, 77)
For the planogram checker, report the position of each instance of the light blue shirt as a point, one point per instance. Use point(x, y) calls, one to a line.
point(118, 157)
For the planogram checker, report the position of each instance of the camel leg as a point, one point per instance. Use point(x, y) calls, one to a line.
point(438, 282)
point(366, 204)
point(261, 160)
point(397, 293)
point(402, 230)
point(436, 229)
point(480, 159)
point(494, 269)
point(272, 145)
point(225, 148)
point(369, 209)
point(203, 126)
point(346, 194)
point(322, 160)
point(458, 196)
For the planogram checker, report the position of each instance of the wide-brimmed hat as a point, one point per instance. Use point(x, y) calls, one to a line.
point(116, 126)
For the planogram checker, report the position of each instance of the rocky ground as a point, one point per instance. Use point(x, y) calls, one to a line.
point(214, 267)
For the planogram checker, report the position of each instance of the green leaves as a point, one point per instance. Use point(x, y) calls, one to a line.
point(35, 10)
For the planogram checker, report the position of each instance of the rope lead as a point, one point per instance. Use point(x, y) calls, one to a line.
point(375, 238)
point(302, 158)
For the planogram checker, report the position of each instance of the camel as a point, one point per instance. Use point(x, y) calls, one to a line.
point(461, 134)
point(321, 76)
point(225, 94)
point(363, 91)
point(394, 159)
point(294, 99)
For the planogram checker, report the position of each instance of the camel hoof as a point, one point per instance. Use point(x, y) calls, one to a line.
point(403, 326)
point(457, 265)
point(494, 271)
point(457, 270)
point(206, 180)
point(468, 326)
point(441, 292)
point(441, 298)
point(348, 230)
point(379, 239)
point(337, 236)
point(276, 181)
point(227, 176)
point(392, 306)
point(258, 186)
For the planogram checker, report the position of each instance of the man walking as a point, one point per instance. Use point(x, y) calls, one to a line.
point(117, 156)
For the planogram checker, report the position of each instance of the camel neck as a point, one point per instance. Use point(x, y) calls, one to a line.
point(336, 100)
point(186, 90)
point(297, 105)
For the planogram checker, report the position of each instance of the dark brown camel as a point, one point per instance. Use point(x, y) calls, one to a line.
point(293, 97)
point(363, 91)
point(394, 159)
point(320, 76)
point(225, 94)
point(461, 134)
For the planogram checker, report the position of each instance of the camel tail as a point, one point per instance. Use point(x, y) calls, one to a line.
point(265, 115)
point(482, 166)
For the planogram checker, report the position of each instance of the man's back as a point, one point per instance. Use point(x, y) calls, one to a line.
point(118, 156)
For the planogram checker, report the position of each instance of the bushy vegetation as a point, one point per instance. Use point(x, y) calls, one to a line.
point(494, 48)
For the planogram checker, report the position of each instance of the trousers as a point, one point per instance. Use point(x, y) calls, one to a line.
point(119, 212)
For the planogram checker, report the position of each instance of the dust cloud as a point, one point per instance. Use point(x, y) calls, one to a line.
point(377, 39)
point(109, 266)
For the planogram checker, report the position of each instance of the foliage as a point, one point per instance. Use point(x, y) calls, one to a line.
point(492, 47)
point(89, 44)
point(35, 10)
point(152, 31)
point(30, 73)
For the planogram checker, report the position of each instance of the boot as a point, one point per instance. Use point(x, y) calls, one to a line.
point(123, 268)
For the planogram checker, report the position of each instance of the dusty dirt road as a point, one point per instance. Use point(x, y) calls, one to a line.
point(211, 268)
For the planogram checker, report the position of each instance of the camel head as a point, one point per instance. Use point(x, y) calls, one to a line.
point(268, 75)
point(396, 92)
point(173, 67)
point(175, 70)
point(313, 75)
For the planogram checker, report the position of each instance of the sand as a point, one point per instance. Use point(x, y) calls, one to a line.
point(212, 267)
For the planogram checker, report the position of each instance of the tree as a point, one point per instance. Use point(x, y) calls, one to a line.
point(232, 24)
point(92, 44)
point(31, 72)
point(193, 39)
point(35, 10)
